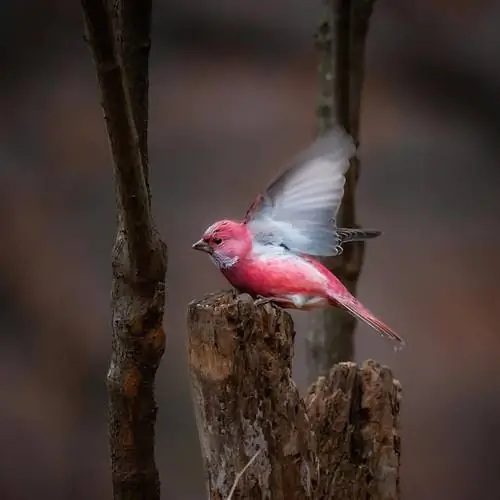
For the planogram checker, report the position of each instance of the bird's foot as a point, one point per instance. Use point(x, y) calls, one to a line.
point(262, 300)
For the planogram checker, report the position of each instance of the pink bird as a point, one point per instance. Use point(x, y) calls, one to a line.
point(269, 253)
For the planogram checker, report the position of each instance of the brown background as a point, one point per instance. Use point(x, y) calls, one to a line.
point(232, 98)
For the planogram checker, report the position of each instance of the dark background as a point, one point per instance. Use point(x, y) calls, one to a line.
point(232, 99)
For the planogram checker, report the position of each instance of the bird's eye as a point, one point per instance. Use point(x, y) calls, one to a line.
point(217, 241)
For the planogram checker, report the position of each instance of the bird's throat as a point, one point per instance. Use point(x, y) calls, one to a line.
point(223, 261)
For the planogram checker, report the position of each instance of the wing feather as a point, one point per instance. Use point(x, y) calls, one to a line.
point(299, 208)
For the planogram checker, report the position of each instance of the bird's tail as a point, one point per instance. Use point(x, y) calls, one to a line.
point(359, 311)
point(346, 235)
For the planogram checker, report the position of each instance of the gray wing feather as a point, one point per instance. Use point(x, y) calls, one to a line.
point(299, 208)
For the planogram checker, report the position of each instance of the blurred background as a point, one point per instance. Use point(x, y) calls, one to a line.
point(233, 89)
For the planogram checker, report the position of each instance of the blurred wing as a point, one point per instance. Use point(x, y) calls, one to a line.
point(299, 208)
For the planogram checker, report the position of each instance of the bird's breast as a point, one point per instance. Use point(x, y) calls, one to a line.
point(277, 275)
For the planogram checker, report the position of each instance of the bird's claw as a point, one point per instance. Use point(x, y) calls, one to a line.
point(262, 300)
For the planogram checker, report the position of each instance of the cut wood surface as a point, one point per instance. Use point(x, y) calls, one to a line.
point(340, 442)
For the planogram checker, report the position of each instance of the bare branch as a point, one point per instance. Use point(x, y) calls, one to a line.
point(133, 27)
point(340, 43)
point(116, 102)
point(139, 255)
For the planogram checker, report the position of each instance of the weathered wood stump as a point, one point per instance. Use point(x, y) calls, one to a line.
point(342, 442)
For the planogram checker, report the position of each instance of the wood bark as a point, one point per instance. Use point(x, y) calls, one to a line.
point(120, 51)
point(340, 42)
point(341, 442)
point(354, 414)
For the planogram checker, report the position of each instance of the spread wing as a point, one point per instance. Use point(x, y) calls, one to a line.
point(299, 208)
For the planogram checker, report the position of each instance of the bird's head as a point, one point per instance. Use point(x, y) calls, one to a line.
point(226, 242)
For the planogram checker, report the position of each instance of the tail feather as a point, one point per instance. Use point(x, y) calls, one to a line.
point(360, 312)
point(347, 235)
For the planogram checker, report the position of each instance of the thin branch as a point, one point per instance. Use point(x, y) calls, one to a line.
point(240, 474)
point(139, 255)
point(340, 42)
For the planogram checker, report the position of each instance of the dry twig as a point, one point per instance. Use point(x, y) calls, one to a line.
point(240, 474)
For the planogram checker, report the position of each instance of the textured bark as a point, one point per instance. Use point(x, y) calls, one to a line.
point(341, 443)
point(245, 399)
point(132, 23)
point(139, 255)
point(354, 413)
point(340, 42)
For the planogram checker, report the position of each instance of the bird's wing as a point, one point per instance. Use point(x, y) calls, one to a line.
point(299, 208)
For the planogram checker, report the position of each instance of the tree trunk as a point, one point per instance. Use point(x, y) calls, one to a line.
point(341, 442)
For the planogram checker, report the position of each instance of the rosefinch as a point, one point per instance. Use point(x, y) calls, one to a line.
point(268, 254)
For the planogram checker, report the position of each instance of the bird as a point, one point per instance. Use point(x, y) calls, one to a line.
point(272, 254)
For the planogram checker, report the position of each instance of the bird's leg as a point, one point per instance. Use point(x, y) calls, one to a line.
point(263, 300)
point(292, 302)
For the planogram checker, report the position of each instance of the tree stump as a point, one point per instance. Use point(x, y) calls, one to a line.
point(340, 442)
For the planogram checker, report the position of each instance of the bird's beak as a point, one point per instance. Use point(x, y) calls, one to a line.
point(203, 246)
